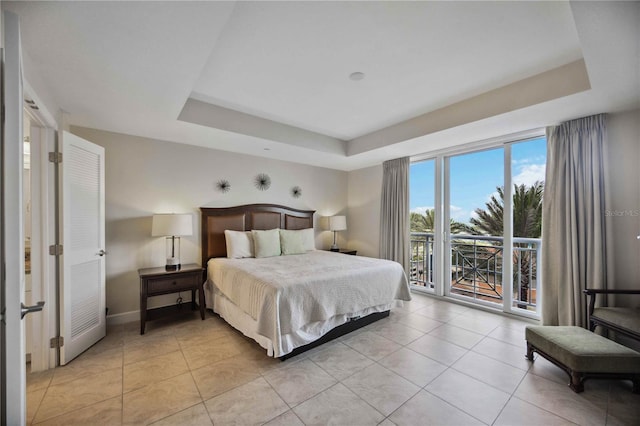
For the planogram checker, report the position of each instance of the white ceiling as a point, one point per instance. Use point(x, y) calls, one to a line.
point(245, 76)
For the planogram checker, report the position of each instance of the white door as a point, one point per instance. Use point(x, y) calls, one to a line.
point(13, 358)
point(82, 298)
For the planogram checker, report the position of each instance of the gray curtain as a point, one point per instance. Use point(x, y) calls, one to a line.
point(573, 225)
point(394, 211)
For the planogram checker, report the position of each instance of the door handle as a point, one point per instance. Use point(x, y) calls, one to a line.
point(101, 253)
point(30, 309)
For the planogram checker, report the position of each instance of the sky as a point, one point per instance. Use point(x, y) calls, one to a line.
point(475, 176)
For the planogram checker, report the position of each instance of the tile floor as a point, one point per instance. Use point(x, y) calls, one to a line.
point(430, 362)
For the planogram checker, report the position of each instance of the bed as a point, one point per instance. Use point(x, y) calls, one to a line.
point(291, 303)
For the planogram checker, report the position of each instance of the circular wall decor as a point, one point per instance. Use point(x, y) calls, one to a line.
point(296, 192)
point(262, 181)
point(223, 185)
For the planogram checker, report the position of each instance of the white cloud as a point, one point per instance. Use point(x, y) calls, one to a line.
point(458, 213)
point(421, 210)
point(530, 174)
point(529, 160)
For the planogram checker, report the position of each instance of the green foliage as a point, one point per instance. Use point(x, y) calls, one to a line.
point(527, 212)
point(426, 223)
point(527, 222)
point(422, 222)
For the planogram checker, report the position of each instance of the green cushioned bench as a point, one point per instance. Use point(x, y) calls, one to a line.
point(583, 354)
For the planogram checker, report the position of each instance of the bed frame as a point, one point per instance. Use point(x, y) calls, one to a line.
point(262, 217)
point(246, 218)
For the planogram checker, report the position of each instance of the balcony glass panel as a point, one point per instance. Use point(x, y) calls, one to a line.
point(422, 202)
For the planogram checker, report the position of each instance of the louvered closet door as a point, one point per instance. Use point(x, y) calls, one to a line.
point(83, 317)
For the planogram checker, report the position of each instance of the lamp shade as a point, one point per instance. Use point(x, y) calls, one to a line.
point(337, 223)
point(166, 225)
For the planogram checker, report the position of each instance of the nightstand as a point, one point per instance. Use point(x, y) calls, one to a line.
point(158, 281)
point(346, 251)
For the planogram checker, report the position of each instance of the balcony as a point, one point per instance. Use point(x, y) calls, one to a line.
point(477, 267)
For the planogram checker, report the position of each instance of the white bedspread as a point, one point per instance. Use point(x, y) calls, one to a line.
point(284, 293)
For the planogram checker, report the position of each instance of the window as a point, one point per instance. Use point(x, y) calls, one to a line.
point(460, 203)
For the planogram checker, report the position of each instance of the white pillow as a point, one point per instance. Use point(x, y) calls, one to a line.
point(239, 244)
point(309, 238)
point(266, 243)
point(292, 242)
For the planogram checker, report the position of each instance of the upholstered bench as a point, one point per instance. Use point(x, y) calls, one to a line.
point(583, 354)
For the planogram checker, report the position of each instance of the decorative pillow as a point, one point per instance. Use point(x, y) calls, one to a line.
point(266, 243)
point(239, 244)
point(292, 242)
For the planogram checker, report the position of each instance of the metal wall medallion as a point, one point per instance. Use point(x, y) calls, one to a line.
point(223, 185)
point(262, 181)
point(296, 192)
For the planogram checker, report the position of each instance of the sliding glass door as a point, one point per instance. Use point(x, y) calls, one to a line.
point(528, 159)
point(474, 235)
point(475, 225)
point(422, 199)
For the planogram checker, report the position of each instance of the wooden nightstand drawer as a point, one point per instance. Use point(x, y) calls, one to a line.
point(169, 285)
point(157, 281)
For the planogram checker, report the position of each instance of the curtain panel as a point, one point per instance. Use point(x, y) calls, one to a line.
point(394, 212)
point(573, 227)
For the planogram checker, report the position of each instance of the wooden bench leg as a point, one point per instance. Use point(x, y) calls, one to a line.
point(529, 352)
point(576, 382)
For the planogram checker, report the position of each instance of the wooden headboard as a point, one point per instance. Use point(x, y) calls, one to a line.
point(245, 218)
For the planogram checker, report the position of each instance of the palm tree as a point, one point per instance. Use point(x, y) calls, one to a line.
point(422, 222)
point(489, 220)
point(527, 222)
point(527, 212)
point(426, 223)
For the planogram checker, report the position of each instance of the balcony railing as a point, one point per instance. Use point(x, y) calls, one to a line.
point(477, 267)
point(421, 264)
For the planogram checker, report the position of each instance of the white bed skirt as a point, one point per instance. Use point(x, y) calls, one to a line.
point(243, 322)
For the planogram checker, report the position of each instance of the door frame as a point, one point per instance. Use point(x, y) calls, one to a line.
point(14, 363)
point(43, 225)
point(505, 305)
point(42, 268)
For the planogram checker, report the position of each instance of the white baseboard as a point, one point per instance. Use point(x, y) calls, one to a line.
point(123, 318)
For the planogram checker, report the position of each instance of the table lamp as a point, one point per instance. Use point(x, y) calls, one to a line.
point(172, 226)
point(337, 223)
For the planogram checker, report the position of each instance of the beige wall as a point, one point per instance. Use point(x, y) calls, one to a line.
point(623, 209)
point(145, 176)
point(365, 186)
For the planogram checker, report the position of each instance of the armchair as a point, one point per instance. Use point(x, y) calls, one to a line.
point(625, 321)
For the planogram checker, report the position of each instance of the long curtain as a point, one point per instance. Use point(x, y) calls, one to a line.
point(573, 226)
point(394, 211)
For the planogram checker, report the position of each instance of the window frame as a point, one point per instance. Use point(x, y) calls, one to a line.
point(442, 240)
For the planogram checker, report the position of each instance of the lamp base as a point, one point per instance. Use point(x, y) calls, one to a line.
point(334, 248)
point(172, 264)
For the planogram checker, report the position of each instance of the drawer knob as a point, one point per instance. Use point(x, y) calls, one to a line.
point(174, 283)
